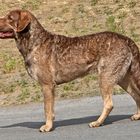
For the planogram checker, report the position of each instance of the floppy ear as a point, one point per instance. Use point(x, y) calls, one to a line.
point(19, 20)
point(23, 21)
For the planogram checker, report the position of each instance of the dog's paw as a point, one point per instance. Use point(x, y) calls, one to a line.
point(45, 128)
point(94, 124)
point(135, 117)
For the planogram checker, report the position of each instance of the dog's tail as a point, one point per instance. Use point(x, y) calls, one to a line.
point(135, 65)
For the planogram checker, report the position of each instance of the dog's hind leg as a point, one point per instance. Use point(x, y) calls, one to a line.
point(129, 86)
point(111, 70)
point(106, 90)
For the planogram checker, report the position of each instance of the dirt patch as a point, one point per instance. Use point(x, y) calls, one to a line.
point(71, 18)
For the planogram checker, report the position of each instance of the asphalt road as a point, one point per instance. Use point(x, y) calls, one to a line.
point(72, 118)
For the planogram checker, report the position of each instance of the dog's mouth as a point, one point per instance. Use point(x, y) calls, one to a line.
point(6, 34)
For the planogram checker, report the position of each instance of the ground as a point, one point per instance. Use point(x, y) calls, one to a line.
point(72, 117)
point(70, 18)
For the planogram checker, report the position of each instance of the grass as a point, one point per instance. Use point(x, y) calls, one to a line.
point(31, 4)
point(110, 23)
point(29, 91)
point(71, 18)
point(7, 89)
point(132, 4)
point(10, 64)
point(25, 94)
point(134, 35)
point(94, 2)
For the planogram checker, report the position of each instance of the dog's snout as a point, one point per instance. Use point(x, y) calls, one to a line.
point(4, 26)
point(2, 23)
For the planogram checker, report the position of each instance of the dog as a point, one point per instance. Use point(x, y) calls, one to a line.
point(54, 59)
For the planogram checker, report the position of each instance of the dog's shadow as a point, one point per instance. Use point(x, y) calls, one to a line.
point(75, 121)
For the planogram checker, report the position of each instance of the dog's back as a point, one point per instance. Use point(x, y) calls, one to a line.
point(78, 56)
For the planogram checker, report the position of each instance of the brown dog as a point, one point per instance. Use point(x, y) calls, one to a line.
point(55, 59)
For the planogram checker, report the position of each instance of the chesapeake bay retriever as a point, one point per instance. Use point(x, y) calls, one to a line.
point(55, 59)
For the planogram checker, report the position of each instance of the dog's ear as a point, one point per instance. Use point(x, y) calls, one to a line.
point(23, 21)
point(19, 20)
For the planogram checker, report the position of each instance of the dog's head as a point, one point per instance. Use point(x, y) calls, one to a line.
point(14, 22)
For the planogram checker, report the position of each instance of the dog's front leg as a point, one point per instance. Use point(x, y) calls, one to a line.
point(48, 92)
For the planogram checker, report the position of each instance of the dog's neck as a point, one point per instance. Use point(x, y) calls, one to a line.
point(34, 35)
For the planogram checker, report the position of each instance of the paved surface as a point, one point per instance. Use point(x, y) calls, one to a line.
point(72, 118)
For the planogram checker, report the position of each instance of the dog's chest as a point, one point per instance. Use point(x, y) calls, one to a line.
point(32, 64)
point(32, 67)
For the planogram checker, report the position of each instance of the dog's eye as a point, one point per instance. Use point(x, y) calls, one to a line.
point(10, 18)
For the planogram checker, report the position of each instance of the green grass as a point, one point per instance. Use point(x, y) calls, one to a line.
point(132, 4)
point(24, 95)
point(68, 86)
point(6, 89)
point(134, 35)
point(23, 83)
point(115, 24)
point(10, 65)
point(94, 2)
point(110, 23)
point(31, 4)
point(36, 98)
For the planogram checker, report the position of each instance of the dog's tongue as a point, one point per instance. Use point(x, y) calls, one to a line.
point(5, 34)
point(1, 34)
